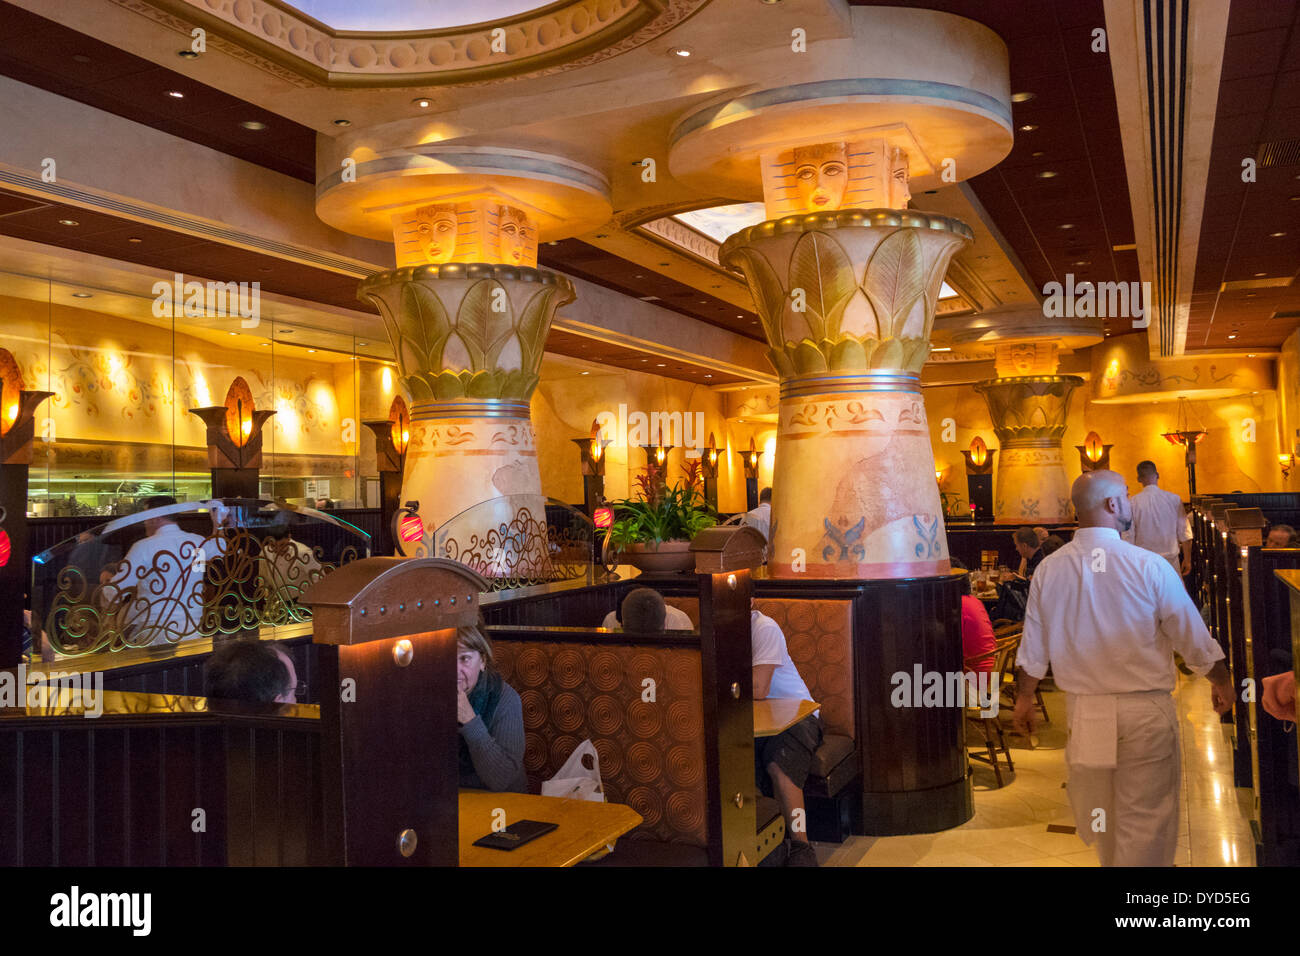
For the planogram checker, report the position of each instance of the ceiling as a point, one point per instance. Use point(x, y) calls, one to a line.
point(1075, 137)
point(1258, 116)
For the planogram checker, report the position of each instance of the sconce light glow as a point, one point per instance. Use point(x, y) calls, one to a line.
point(386, 379)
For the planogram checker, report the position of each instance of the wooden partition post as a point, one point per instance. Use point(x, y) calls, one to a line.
point(724, 559)
point(388, 707)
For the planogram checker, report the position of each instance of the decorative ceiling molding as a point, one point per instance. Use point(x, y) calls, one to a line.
point(561, 36)
point(1170, 53)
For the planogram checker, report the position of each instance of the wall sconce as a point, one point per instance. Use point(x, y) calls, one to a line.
point(392, 437)
point(979, 457)
point(709, 471)
point(1093, 455)
point(749, 461)
point(979, 477)
point(656, 456)
point(18, 421)
point(234, 434)
point(592, 450)
point(1287, 462)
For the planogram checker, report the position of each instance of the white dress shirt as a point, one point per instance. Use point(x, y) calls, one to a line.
point(760, 519)
point(167, 570)
point(1107, 616)
point(1159, 523)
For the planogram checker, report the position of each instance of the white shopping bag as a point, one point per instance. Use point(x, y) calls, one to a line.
point(576, 780)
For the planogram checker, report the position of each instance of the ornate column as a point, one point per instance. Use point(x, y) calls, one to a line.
point(1029, 416)
point(852, 420)
point(467, 311)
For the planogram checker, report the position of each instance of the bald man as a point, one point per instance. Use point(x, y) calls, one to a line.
point(1107, 616)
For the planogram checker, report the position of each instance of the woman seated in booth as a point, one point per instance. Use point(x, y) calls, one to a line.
point(491, 719)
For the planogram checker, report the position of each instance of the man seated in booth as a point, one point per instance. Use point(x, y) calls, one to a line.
point(1030, 548)
point(644, 610)
point(251, 670)
point(782, 763)
point(760, 518)
point(1281, 536)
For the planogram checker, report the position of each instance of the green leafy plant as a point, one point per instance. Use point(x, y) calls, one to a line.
point(678, 513)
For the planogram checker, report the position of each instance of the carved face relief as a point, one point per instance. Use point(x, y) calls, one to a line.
point(436, 228)
point(821, 176)
point(1024, 358)
point(516, 237)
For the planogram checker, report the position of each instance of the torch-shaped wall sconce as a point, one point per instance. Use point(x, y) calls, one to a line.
point(1287, 462)
point(592, 450)
point(749, 461)
point(709, 469)
point(656, 462)
point(1093, 455)
point(392, 435)
point(234, 442)
point(979, 477)
point(17, 431)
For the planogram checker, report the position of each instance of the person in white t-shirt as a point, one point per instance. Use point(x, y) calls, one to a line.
point(644, 609)
point(1159, 522)
point(782, 763)
point(760, 518)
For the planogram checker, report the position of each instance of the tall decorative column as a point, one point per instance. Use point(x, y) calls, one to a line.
point(1029, 405)
point(852, 420)
point(467, 310)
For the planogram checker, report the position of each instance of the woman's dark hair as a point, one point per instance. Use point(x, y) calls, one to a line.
point(1052, 543)
point(245, 670)
point(476, 640)
point(960, 565)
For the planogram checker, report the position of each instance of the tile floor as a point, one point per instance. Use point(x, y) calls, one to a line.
point(1010, 824)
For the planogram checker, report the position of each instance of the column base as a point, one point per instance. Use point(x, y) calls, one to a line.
point(896, 813)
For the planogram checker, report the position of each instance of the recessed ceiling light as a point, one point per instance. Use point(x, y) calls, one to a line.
point(1028, 127)
point(1251, 355)
point(1022, 97)
point(553, 242)
point(69, 222)
point(342, 122)
point(286, 332)
point(134, 239)
point(659, 364)
point(584, 373)
point(253, 125)
point(1258, 274)
point(1081, 262)
point(1277, 235)
point(187, 54)
point(1232, 336)
point(645, 360)
point(1047, 174)
point(422, 102)
point(176, 94)
point(363, 343)
point(707, 375)
point(1036, 153)
point(1066, 225)
point(80, 58)
point(1295, 198)
point(665, 263)
point(680, 51)
point(81, 295)
point(312, 351)
point(232, 333)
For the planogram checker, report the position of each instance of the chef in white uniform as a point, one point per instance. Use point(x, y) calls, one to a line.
point(1159, 522)
point(1107, 616)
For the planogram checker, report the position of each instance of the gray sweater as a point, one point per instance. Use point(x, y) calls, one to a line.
point(497, 751)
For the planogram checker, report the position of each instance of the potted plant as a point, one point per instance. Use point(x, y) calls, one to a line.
point(654, 533)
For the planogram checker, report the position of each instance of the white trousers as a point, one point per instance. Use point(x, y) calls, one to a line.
point(1131, 812)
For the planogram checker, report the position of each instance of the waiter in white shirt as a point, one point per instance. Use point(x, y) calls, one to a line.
point(1107, 616)
point(1159, 522)
point(760, 518)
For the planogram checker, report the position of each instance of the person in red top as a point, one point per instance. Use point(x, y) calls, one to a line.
point(977, 639)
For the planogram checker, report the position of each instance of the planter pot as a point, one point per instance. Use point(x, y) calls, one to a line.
point(660, 558)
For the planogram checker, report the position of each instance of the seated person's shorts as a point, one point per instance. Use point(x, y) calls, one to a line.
point(792, 750)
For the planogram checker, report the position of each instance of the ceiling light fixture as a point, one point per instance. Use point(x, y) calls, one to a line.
point(232, 333)
point(422, 102)
point(253, 125)
point(342, 122)
point(187, 54)
point(176, 94)
point(69, 222)
point(680, 51)
point(1233, 336)
point(1047, 174)
point(1022, 97)
point(134, 239)
point(81, 295)
point(1028, 127)
point(1066, 225)
point(1277, 235)
point(311, 351)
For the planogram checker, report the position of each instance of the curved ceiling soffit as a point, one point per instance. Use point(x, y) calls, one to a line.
point(559, 37)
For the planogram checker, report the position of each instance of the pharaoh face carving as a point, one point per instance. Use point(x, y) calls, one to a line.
point(821, 174)
point(516, 237)
point(436, 228)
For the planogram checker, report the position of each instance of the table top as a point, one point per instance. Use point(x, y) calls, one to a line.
point(775, 714)
point(584, 827)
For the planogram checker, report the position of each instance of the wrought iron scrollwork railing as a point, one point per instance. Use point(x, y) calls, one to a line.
point(513, 541)
point(200, 569)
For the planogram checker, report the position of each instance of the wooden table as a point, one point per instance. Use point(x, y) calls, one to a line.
point(584, 828)
point(775, 714)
